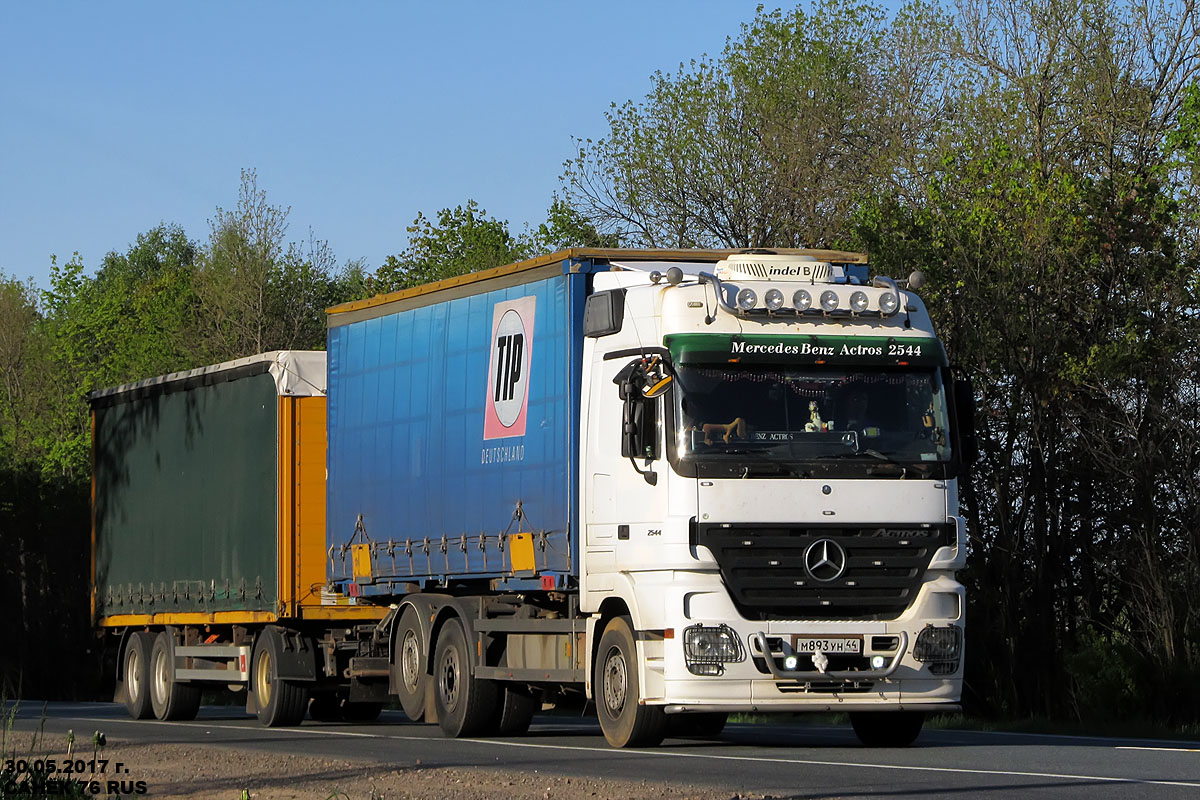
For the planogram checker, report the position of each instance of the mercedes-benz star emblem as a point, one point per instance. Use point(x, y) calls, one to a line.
point(825, 560)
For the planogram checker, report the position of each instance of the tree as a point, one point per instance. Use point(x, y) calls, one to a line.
point(771, 144)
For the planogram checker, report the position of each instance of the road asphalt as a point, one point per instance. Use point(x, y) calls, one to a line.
point(794, 760)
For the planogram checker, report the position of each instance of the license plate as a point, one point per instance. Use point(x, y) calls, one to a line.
point(827, 644)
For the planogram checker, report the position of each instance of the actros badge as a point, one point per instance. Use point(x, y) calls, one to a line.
point(508, 368)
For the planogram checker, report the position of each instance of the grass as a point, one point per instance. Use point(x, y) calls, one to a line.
point(33, 782)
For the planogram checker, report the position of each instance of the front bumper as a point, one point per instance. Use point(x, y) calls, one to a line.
point(760, 683)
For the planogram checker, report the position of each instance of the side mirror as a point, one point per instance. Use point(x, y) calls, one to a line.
point(603, 313)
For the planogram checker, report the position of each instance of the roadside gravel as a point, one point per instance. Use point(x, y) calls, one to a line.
point(214, 772)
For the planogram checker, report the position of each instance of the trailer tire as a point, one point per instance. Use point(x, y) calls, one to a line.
point(170, 699)
point(703, 725)
point(465, 704)
point(515, 710)
point(624, 720)
point(135, 672)
point(280, 702)
point(411, 678)
point(887, 728)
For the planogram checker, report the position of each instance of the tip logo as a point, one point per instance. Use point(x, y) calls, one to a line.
point(508, 368)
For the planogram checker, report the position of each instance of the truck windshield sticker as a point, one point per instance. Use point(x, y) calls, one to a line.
point(707, 348)
point(508, 368)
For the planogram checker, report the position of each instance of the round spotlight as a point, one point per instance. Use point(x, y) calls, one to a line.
point(829, 300)
point(802, 300)
point(790, 662)
point(889, 303)
point(877, 662)
point(773, 299)
point(674, 276)
point(747, 299)
point(858, 302)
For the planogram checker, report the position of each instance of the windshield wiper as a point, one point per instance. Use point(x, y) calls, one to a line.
point(905, 466)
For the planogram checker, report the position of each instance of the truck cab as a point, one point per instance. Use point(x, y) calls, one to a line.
point(769, 492)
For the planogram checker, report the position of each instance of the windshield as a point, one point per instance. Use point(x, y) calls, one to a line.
point(746, 416)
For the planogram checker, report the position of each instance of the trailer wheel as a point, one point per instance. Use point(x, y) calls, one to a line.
point(411, 679)
point(280, 702)
point(887, 728)
point(465, 704)
point(135, 669)
point(515, 710)
point(625, 722)
point(171, 700)
point(704, 725)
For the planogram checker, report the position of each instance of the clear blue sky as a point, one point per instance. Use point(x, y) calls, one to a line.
point(115, 117)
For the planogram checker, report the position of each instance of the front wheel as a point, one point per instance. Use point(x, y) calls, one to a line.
point(280, 702)
point(171, 699)
point(887, 728)
point(624, 720)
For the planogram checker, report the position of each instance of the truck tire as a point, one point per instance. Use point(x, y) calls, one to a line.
point(465, 704)
point(411, 678)
point(170, 699)
point(135, 671)
point(515, 710)
point(280, 703)
point(625, 722)
point(704, 725)
point(887, 728)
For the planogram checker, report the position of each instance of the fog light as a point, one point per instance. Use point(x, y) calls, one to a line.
point(888, 303)
point(801, 300)
point(877, 662)
point(707, 650)
point(858, 302)
point(773, 299)
point(747, 299)
point(829, 300)
point(791, 662)
point(938, 643)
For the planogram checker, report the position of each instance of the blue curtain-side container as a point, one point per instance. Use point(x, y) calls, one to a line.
point(453, 424)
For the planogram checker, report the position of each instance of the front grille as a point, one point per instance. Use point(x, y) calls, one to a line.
point(764, 568)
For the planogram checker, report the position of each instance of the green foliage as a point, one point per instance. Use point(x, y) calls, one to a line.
point(465, 239)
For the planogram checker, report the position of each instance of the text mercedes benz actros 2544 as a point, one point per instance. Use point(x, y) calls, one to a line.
point(677, 483)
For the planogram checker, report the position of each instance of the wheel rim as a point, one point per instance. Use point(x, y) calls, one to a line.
point(449, 679)
point(262, 679)
point(410, 661)
point(616, 681)
point(133, 674)
point(159, 685)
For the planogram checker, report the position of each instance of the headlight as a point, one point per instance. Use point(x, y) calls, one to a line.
point(708, 649)
point(889, 303)
point(773, 299)
point(801, 300)
point(858, 302)
point(747, 299)
point(829, 300)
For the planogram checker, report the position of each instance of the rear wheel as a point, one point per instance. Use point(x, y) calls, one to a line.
point(170, 699)
point(624, 720)
point(135, 670)
point(515, 710)
point(410, 667)
point(465, 704)
point(887, 729)
point(280, 702)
